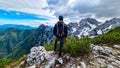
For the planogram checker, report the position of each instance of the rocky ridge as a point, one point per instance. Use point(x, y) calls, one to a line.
point(102, 56)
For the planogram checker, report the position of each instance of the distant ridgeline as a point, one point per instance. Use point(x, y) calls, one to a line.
point(22, 27)
point(13, 40)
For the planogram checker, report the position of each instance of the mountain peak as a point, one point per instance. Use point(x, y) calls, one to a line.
point(115, 18)
point(89, 20)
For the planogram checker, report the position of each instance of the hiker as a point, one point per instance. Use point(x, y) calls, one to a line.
point(60, 31)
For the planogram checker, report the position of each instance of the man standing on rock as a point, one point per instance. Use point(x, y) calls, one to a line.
point(60, 31)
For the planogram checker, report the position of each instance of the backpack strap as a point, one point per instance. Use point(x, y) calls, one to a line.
point(63, 28)
point(57, 28)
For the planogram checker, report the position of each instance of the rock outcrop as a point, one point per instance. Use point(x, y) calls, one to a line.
point(104, 56)
point(40, 57)
point(37, 55)
point(101, 56)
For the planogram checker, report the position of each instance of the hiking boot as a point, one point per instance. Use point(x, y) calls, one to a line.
point(60, 60)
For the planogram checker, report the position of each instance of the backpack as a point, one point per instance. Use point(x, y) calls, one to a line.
point(60, 29)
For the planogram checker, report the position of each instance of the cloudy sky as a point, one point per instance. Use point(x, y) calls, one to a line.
point(36, 12)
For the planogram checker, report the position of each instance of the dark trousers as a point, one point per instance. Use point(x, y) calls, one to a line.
point(61, 45)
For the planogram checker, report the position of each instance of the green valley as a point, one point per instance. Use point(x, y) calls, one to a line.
point(9, 38)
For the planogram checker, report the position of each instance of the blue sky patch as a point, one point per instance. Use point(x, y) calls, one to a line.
point(16, 15)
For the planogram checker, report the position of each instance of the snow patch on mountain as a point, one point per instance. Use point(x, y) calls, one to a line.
point(99, 32)
point(74, 29)
point(84, 32)
point(91, 25)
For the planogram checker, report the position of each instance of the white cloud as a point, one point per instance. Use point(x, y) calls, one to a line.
point(87, 2)
point(27, 6)
point(77, 9)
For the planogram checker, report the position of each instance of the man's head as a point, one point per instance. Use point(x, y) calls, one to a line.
point(60, 18)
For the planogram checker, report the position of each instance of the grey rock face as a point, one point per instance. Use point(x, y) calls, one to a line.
point(43, 34)
point(107, 26)
point(83, 27)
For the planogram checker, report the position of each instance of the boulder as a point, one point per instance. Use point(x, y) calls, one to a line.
point(37, 55)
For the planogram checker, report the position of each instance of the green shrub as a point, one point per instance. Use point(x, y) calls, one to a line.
point(74, 46)
point(77, 47)
point(49, 47)
point(4, 62)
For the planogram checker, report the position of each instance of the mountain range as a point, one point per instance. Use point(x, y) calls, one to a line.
point(22, 27)
point(25, 40)
point(42, 35)
point(91, 27)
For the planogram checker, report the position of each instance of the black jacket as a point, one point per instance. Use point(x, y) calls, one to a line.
point(55, 29)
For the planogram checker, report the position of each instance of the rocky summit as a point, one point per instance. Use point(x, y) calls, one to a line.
point(101, 56)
